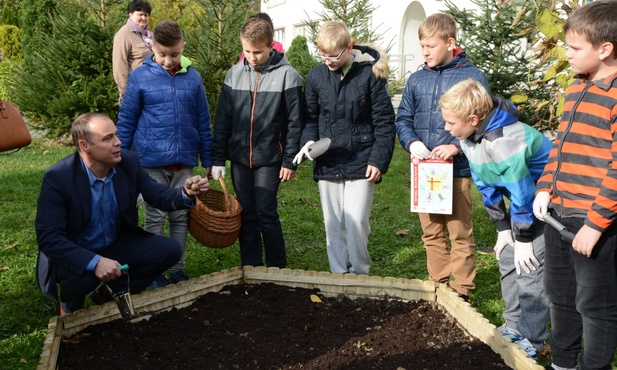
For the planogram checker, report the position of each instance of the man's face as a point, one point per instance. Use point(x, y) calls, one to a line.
point(436, 51)
point(456, 126)
point(104, 146)
point(168, 57)
point(256, 54)
point(140, 18)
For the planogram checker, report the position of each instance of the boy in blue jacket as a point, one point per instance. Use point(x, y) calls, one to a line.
point(420, 130)
point(165, 119)
point(506, 158)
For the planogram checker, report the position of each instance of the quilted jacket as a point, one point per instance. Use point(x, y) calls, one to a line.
point(419, 116)
point(165, 118)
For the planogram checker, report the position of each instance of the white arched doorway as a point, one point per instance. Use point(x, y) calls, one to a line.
point(410, 53)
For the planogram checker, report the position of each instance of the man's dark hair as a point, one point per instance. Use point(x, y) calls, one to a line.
point(168, 33)
point(80, 128)
point(139, 6)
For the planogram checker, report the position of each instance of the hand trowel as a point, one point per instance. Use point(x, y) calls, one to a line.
point(319, 147)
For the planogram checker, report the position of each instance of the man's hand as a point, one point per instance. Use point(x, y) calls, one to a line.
point(524, 257)
point(218, 171)
point(540, 204)
point(304, 152)
point(504, 238)
point(196, 185)
point(419, 150)
point(107, 269)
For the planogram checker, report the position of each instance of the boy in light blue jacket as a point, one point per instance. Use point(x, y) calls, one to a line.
point(506, 158)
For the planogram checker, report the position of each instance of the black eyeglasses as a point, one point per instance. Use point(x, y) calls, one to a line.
point(333, 59)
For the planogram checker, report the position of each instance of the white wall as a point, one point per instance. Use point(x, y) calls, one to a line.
point(398, 20)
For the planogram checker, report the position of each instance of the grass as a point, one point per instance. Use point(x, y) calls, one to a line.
point(395, 244)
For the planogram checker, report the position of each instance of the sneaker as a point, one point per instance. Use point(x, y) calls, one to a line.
point(178, 276)
point(526, 346)
point(510, 333)
point(160, 282)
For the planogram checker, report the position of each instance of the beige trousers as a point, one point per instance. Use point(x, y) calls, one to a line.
point(457, 260)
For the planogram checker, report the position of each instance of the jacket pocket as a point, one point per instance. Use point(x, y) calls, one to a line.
point(363, 141)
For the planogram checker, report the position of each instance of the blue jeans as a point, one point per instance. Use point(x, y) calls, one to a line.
point(583, 299)
point(256, 190)
point(527, 308)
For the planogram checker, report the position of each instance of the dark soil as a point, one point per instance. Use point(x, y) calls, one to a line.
point(267, 326)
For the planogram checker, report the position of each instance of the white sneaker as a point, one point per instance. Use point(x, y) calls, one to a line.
point(526, 346)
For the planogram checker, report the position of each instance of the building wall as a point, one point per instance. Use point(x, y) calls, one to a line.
point(397, 20)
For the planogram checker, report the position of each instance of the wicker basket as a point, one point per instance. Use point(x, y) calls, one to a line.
point(215, 219)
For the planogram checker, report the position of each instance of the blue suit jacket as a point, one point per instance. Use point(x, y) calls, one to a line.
point(65, 211)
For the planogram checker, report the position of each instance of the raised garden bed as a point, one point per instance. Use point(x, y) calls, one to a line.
point(334, 290)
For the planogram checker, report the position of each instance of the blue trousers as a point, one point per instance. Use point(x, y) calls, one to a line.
point(147, 255)
point(256, 190)
point(583, 299)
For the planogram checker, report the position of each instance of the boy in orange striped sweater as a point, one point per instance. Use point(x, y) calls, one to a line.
point(579, 188)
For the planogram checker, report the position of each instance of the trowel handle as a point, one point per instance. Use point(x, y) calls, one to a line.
point(124, 268)
point(563, 232)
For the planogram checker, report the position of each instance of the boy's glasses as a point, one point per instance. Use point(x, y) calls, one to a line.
point(333, 59)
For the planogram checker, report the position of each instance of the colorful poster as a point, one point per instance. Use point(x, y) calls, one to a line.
point(431, 185)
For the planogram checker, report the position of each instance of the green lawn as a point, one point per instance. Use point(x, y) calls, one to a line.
point(25, 312)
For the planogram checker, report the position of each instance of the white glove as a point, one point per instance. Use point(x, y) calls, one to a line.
point(504, 238)
point(419, 150)
point(218, 171)
point(524, 257)
point(540, 204)
point(304, 152)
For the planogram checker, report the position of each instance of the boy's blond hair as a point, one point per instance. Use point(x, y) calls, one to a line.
point(333, 36)
point(440, 25)
point(467, 98)
point(596, 21)
point(257, 31)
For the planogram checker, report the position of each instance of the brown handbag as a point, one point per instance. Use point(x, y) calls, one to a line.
point(14, 133)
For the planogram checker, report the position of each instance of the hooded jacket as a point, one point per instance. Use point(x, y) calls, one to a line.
point(506, 158)
point(419, 116)
point(165, 118)
point(355, 112)
point(259, 115)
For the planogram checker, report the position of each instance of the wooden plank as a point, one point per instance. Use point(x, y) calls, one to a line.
point(478, 326)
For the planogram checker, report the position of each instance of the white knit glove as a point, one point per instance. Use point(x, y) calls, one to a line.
point(524, 257)
point(504, 238)
point(540, 204)
point(304, 152)
point(419, 150)
point(218, 171)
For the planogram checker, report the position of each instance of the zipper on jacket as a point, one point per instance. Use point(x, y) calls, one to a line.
point(563, 137)
point(257, 75)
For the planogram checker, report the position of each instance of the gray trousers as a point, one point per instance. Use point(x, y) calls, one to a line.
point(346, 208)
point(178, 220)
point(527, 306)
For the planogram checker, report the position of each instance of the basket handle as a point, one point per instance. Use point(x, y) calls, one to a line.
point(222, 181)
